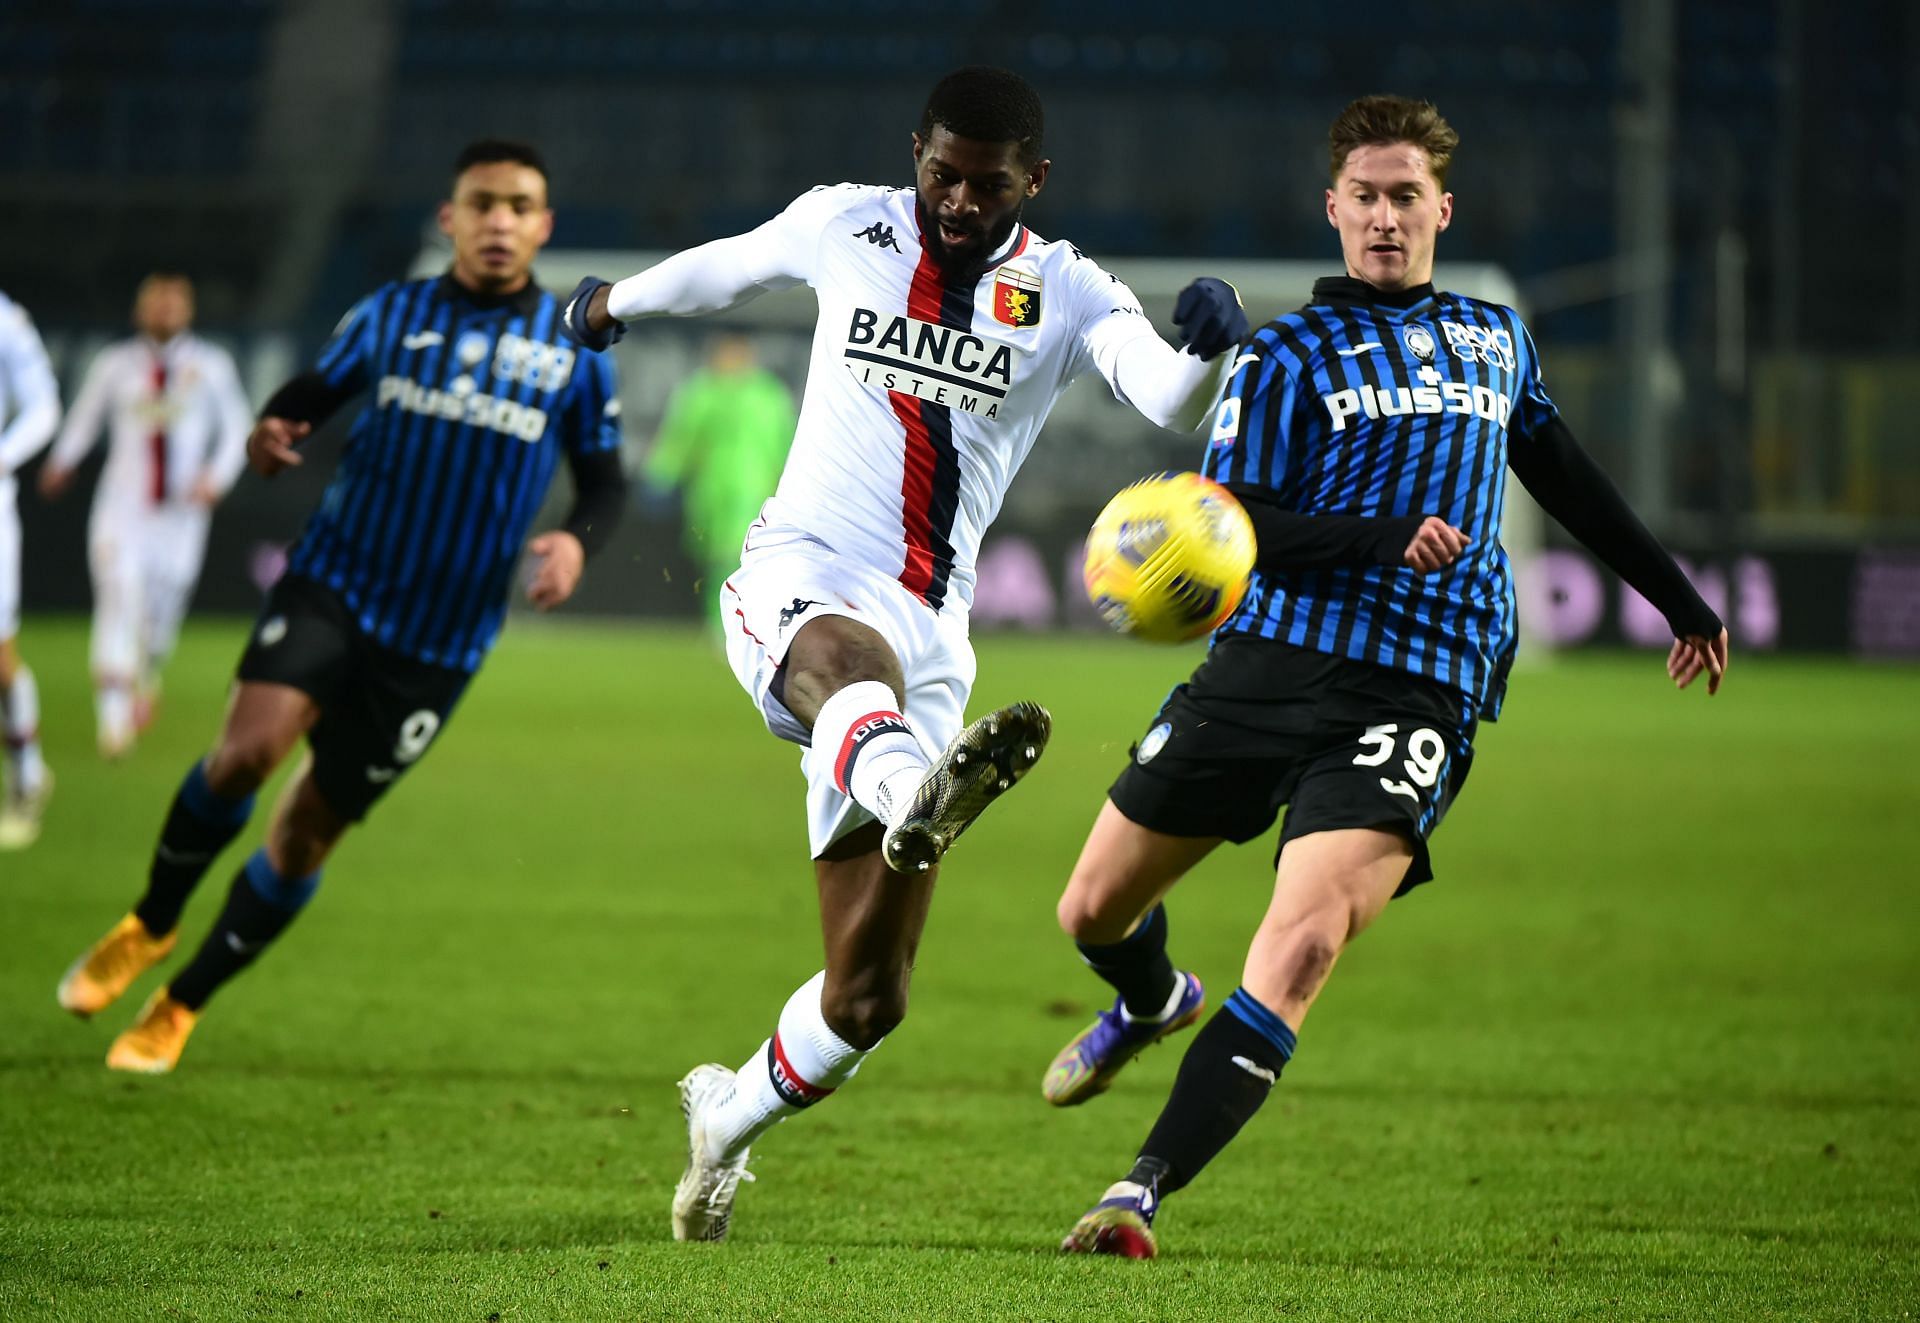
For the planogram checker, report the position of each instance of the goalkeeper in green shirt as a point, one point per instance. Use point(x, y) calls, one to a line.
point(721, 446)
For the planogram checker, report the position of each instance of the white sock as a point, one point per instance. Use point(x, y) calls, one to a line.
point(800, 1065)
point(20, 725)
point(875, 757)
point(113, 714)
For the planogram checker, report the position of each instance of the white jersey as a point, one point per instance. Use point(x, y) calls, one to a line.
point(29, 396)
point(925, 391)
point(175, 417)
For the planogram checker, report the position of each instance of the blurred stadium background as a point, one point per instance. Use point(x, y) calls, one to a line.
point(1646, 1052)
point(1703, 207)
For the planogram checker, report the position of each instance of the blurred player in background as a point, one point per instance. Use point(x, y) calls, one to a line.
point(946, 332)
point(721, 444)
point(1350, 695)
point(29, 413)
point(396, 588)
point(178, 423)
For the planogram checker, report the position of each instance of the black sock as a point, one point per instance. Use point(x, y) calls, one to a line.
point(260, 905)
point(199, 826)
point(1137, 965)
point(1231, 1066)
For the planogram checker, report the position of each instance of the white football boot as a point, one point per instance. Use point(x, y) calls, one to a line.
point(703, 1201)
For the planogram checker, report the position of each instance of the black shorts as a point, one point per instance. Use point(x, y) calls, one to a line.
point(379, 710)
point(1341, 743)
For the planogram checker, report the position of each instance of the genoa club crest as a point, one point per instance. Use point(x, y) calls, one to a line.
point(1016, 298)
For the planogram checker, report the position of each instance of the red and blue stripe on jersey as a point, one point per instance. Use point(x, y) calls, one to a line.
point(424, 519)
point(930, 478)
point(1387, 458)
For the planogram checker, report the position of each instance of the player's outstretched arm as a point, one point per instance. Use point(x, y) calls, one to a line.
point(1571, 487)
point(1175, 389)
point(710, 278)
point(1288, 540)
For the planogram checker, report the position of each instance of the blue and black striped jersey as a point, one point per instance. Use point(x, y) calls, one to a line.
point(472, 401)
point(1363, 403)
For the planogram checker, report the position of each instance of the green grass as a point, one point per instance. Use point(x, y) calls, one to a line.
point(1649, 1048)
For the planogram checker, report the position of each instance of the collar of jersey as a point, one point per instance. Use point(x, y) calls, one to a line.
point(525, 301)
point(1347, 290)
point(1016, 242)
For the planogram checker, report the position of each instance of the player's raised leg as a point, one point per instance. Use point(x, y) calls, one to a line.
point(872, 919)
point(843, 681)
point(1112, 909)
point(1328, 887)
point(213, 803)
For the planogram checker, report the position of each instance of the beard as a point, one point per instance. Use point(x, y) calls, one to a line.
point(973, 257)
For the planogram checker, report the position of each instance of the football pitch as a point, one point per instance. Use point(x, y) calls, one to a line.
point(1649, 1048)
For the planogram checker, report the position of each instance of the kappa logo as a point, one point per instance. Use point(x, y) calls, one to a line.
point(880, 236)
point(788, 614)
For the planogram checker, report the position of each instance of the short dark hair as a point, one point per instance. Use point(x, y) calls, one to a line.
point(1378, 120)
point(486, 151)
point(987, 105)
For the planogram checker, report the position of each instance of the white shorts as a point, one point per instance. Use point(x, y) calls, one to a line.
point(788, 577)
point(9, 562)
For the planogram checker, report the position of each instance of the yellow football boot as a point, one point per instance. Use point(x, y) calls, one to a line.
point(153, 1045)
point(97, 979)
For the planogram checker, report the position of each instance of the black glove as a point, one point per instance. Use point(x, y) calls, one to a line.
point(574, 319)
point(1210, 317)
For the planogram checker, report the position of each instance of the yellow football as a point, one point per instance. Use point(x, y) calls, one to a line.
point(1168, 559)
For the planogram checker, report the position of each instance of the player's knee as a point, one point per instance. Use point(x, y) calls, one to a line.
point(866, 1011)
point(1085, 918)
point(241, 765)
point(836, 658)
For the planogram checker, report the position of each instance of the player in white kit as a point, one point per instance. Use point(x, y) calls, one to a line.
point(946, 332)
point(177, 422)
point(29, 413)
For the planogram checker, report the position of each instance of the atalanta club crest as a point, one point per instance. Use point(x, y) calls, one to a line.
point(1419, 340)
point(1016, 298)
point(1154, 741)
